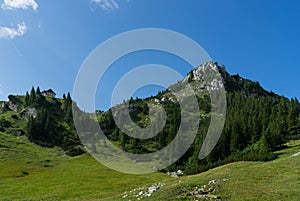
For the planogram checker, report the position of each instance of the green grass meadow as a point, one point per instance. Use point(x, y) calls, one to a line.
point(30, 172)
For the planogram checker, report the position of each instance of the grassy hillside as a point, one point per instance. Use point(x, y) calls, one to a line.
point(30, 172)
point(273, 180)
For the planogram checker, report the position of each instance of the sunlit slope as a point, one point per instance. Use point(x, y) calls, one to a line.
point(30, 172)
point(273, 180)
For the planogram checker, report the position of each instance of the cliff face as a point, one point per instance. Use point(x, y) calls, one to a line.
point(211, 76)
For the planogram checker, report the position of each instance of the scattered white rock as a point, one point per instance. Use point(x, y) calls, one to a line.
point(179, 172)
point(164, 99)
point(29, 112)
point(212, 181)
point(12, 106)
point(172, 100)
point(142, 192)
point(156, 100)
point(207, 192)
point(175, 174)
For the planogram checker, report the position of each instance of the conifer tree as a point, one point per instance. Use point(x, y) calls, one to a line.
point(31, 96)
point(38, 91)
point(26, 99)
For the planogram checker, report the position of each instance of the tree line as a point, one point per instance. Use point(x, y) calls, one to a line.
point(257, 123)
point(53, 124)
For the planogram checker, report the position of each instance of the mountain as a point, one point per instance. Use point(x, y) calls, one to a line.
point(257, 121)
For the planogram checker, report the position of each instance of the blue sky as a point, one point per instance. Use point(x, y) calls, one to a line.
point(44, 43)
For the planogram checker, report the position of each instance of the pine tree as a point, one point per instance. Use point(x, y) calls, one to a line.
point(32, 96)
point(26, 99)
point(123, 139)
point(38, 91)
point(292, 117)
point(30, 128)
point(68, 108)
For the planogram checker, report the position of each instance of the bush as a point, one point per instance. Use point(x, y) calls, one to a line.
point(75, 151)
point(2, 129)
point(14, 117)
point(4, 123)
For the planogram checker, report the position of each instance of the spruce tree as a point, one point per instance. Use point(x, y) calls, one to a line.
point(26, 99)
point(38, 91)
point(31, 96)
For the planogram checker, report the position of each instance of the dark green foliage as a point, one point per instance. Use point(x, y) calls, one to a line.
point(15, 100)
point(257, 123)
point(41, 130)
point(31, 97)
point(14, 117)
point(38, 91)
point(53, 125)
point(4, 123)
point(67, 107)
point(26, 100)
point(75, 151)
point(190, 76)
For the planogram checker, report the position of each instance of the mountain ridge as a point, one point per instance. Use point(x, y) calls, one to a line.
point(257, 121)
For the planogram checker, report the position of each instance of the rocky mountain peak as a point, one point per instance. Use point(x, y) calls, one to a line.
point(208, 67)
point(206, 77)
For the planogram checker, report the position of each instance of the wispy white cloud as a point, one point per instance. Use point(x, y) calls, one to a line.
point(107, 5)
point(10, 32)
point(19, 4)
